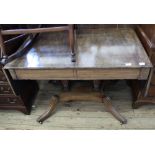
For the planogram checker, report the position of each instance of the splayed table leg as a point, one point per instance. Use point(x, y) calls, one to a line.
point(49, 112)
point(81, 96)
point(109, 107)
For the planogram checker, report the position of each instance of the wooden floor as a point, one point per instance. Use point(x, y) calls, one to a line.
point(81, 115)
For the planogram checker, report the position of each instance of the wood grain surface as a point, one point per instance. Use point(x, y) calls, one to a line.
point(115, 49)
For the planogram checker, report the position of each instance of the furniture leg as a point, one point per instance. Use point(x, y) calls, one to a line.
point(65, 84)
point(96, 84)
point(49, 112)
point(25, 111)
point(80, 96)
point(108, 105)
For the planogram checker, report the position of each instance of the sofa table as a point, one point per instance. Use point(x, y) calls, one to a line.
point(101, 54)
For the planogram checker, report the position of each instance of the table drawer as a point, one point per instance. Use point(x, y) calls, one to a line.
point(2, 77)
point(10, 101)
point(95, 74)
point(5, 89)
point(42, 74)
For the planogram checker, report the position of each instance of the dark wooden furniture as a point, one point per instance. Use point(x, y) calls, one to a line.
point(146, 34)
point(15, 95)
point(101, 54)
point(33, 32)
point(81, 93)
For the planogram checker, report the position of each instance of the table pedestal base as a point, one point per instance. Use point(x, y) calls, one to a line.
point(80, 96)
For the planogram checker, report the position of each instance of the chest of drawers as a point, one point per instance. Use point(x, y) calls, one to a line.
point(16, 95)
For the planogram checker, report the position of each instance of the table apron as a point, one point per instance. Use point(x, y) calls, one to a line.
point(79, 74)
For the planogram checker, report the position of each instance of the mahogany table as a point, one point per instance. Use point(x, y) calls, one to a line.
point(101, 54)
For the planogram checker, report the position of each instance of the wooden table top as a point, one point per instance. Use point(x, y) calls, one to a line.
point(106, 48)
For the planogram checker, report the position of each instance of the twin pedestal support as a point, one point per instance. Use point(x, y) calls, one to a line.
point(81, 94)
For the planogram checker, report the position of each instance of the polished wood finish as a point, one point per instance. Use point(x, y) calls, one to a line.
point(50, 110)
point(81, 94)
point(110, 48)
point(43, 74)
point(14, 39)
point(34, 30)
point(111, 74)
point(21, 50)
point(101, 54)
point(80, 74)
point(50, 50)
point(14, 95)
point(50, 56)
point(33, 33)
point(49, 59)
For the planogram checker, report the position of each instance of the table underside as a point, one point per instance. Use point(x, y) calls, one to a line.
point(100, 54)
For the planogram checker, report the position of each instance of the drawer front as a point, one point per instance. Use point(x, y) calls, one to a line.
point(43, 74)
point(101, 74)
point(5, 89)
point(2, 77)
point(10, 101)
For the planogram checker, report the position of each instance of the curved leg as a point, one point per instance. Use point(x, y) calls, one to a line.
point(112, 110)
point(93, 96)
point(74, 96)
point(48, 113)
